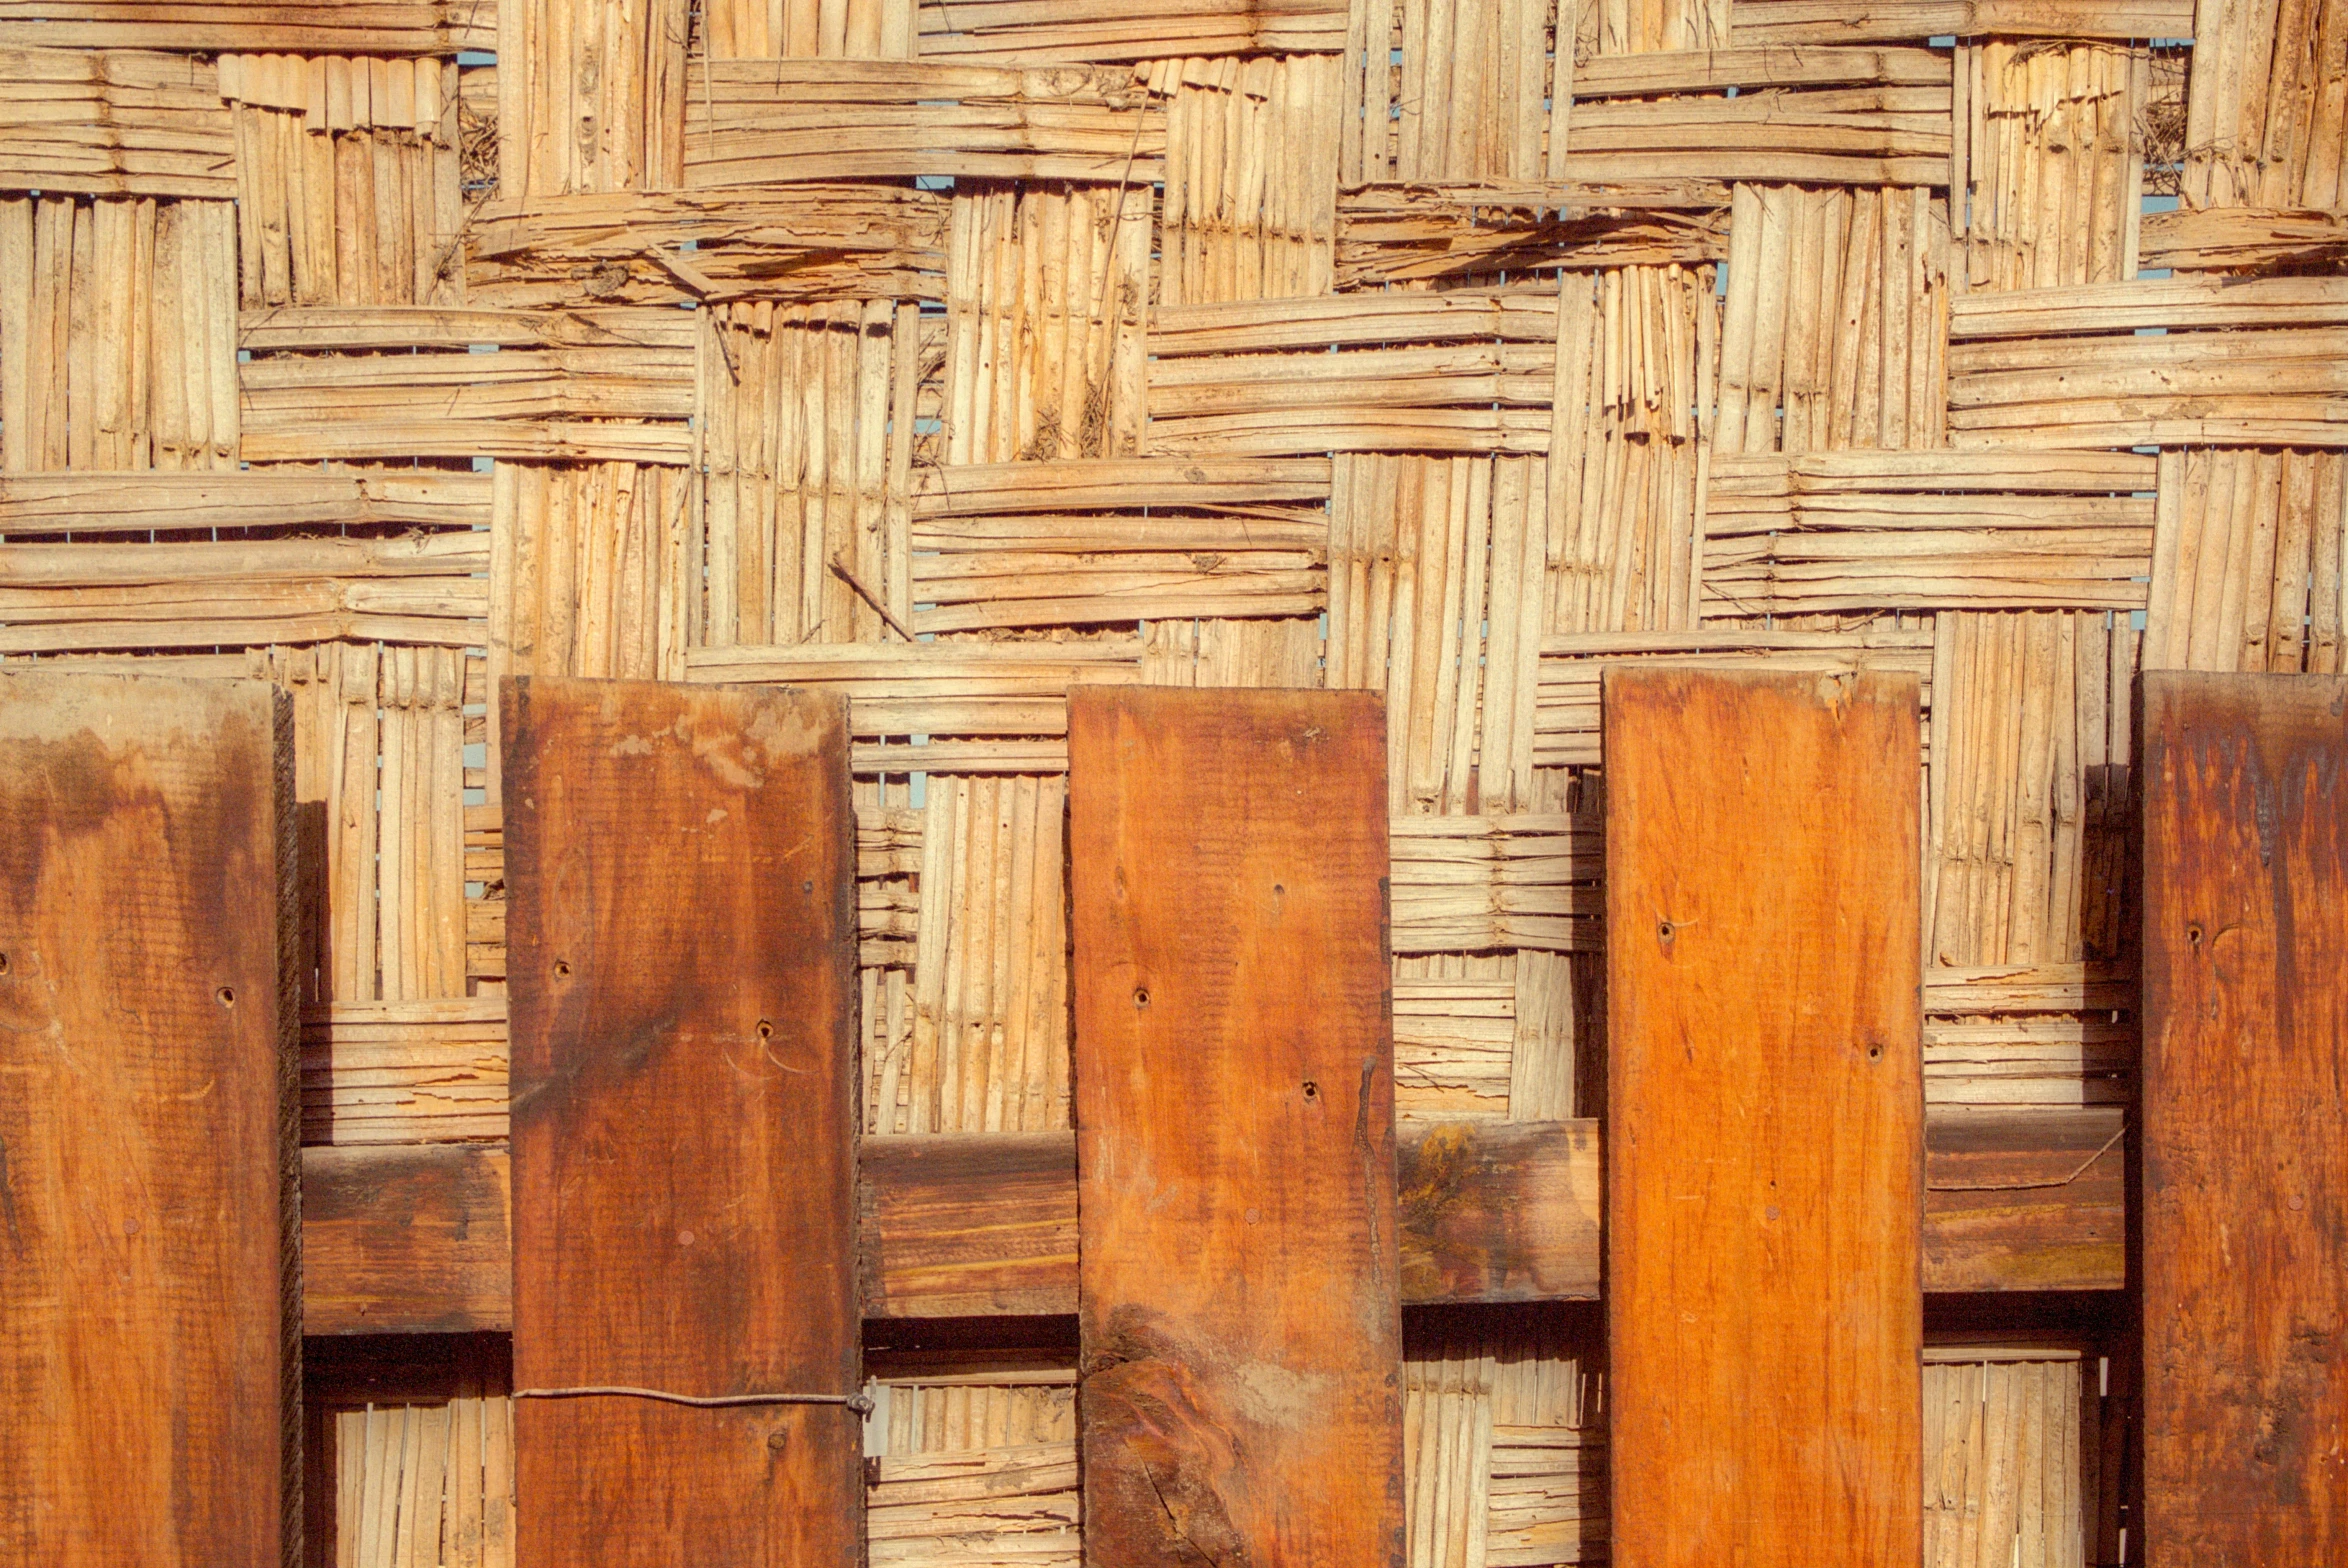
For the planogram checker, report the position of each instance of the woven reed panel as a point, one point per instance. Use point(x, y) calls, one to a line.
point(949, 356)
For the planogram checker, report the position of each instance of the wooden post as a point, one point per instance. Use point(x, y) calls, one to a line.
point(682, 874)
point(1238, 1276)
point(149, 1344)
point(1766, 1147)
point(2245, 1125)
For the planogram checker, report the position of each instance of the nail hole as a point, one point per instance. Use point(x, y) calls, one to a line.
point(3, 963)
point(562, 969)
point(2193, 936)
point(1280, 888)
point(777, 1440)
point(1875, 1053)
point(1141, 999)
point(226, 996)
point(766, 1031)
point(1312, 1090)
point(1665, 930)
point(807, 886)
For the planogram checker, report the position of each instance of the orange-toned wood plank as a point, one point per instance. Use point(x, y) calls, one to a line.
point(147, 1123)
point(683, 929)
point(2245, 1159)
point(1238, 1276)
point(1764, 1189)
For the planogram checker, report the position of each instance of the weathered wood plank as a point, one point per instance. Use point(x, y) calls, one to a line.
point(413, 1240)
point(2032, 1199)
point(406, 1239)
point(683, 949)
point(969, 1226)
point(2245, 783)
point(1765, 1086)
point(1499, 1211)
point(1239, 1291)
point(147, 1123)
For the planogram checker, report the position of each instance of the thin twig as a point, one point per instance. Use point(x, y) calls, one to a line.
point(869, 597)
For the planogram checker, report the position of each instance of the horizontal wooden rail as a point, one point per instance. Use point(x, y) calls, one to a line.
point(412, 1238)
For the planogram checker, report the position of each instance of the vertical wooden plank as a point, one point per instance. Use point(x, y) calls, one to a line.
point(683, 941)
point(2245, 1168)
point(1238, 1288)
point(1765, 1158)
point(148, 1121)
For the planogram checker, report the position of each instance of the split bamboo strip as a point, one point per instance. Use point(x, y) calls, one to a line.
point(1016, 32)
point(117, 334)
point(2002, 1457)
point(103, 503)
point(121, 123)
point(1454, 1042)
point(1474, 93)
point(1410, 233)
point(1637, 353)
point(2265, 110)
point(1435, 596)
point(590, 575)
point(1913, 21)
point(375, 27)
point(2028, 787)
point(782, 242)
point(350, 216)
point(1832, 337)
point(616, 402)
point(404, 1072)
point(1249, 210)
point(987, 1047)
point(805, 525)
point(1046, 295)
point(425, 1486)
point(757, 121)
point(1220, 383)
point(2246, 562)
point(798, 29)
point(590, 97)
point(2245, 239)
point(1476, 884)
point(1771, 550)
point(2055, 155)
point(2234, 387)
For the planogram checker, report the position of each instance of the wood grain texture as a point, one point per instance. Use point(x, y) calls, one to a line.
point(1499, 1211)
point(969, 1225)
point(406, 1239)
point(1764, 1192)
point(2245, 1227)
point(147, 1125)
point(2025, 1199)
point(1239, 1299)
point(412, 1239)
point(683, 930)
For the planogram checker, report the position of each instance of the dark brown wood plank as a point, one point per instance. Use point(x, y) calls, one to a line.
point(409, 1239)
point(148, 1120)
point(2025, 1199)
point(1499, 1211)
point(976, 1225)
point(682, 879)
point(413, 1240)
point(2245, 1228)
point(1239, 1284)
point(1765, 1094)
